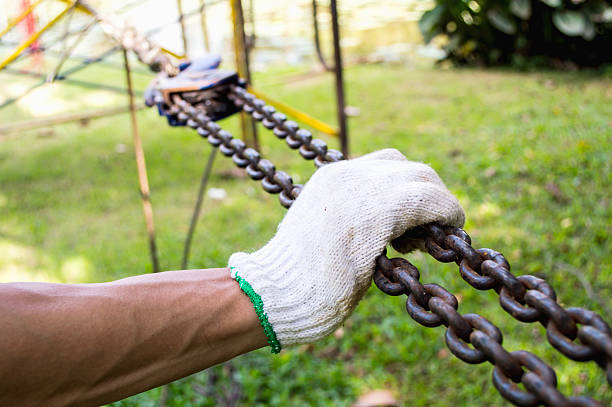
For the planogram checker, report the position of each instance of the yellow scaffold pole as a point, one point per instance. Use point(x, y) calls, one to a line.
point(171, 53)
point(297, 114)
point(20, 17)
point(24, 45)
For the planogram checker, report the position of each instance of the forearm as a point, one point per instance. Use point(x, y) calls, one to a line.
point(94, 343)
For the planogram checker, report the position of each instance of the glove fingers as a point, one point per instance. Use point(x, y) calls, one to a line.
point(388, 154)
point(413, 171)
point(419, 203)
point(393, 171)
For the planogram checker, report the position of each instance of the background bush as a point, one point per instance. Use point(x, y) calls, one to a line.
point(521, 32)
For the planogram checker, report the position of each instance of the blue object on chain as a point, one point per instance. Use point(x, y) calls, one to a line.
point(200, 83)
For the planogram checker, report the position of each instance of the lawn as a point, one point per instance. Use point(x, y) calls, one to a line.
point(527, 154)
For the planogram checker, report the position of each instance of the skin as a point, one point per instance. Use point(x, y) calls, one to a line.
point(91, 344)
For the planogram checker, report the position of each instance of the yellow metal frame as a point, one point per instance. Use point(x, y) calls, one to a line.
point(20, 17)
point(22, 47)
point(172, 54)
point(297, 114)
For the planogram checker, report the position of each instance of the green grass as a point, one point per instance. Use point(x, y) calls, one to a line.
point(527, 154)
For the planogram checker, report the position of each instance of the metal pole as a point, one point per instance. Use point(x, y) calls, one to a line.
point(249, 131)
point(64, 48)
point(179, 6)
point(63, 118)
point(317, 40)
point(141, 166)
point(67, 51)
point(204, 25)
point(198, 208)
point(339, 80)
point(250, 43)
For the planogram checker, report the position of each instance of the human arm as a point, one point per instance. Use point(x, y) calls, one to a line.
point(90, 344)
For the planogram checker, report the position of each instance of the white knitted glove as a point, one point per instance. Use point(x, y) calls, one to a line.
point(307, 280)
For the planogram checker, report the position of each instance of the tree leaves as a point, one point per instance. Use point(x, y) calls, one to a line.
point(430, 22)
point(521, 8)
point(552, 3)
point(570, 22)
point(522, 32)
point(502, 21)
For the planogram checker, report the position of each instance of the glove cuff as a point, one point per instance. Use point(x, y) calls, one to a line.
point(287, 299)
point(267, 278)
point(257, 302)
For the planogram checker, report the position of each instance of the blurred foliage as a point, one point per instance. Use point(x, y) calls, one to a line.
point(531, 168)
point(557, 33)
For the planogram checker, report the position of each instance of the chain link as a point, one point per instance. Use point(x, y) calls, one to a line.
point(145, 50)
point(282, 128)
point(431, 305)
point(527, 298)
point(260, 169)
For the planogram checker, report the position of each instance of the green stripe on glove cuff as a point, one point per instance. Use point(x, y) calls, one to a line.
point(261, 314)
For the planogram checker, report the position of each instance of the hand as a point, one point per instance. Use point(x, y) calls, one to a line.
point(308, 279)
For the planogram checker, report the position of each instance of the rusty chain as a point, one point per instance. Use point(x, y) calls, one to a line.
point(527, 298)
point(146, 51)
point(260, 169)
point(296, 138)
point(431, 305)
